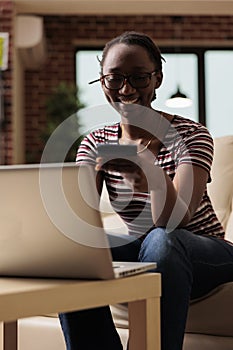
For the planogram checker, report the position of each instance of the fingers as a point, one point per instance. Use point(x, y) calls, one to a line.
point(131, 171)
point(99, 162)
point(122, 165)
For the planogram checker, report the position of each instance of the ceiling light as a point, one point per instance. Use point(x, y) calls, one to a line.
point(178, 100)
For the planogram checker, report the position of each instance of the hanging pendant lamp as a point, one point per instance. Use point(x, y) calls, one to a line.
point(178, 100)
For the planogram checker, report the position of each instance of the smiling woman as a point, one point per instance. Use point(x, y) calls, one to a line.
point(160, 193)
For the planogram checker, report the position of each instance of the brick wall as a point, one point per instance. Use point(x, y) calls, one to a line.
point(62, 31)
point(6, 25)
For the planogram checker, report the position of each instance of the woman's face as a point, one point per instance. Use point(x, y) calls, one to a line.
point(128, 60)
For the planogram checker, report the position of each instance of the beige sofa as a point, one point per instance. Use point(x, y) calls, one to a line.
point(210, 322)
point(210, 325)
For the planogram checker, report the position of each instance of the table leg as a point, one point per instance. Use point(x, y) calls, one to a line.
point(144, 324)
point(10, 336)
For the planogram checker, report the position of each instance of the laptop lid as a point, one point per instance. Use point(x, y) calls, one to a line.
point(49, 223)
point(51, 226)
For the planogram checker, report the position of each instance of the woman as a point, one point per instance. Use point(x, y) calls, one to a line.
point(160, 194)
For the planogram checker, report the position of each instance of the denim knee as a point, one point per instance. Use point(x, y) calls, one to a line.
point(166, 248)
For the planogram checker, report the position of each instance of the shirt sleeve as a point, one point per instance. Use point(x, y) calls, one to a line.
point(87, 151)
point(86, 154)
point(197, 149)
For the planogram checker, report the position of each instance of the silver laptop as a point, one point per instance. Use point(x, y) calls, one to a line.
point(50, 225)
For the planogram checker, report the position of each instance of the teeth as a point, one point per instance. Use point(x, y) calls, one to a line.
point(129, 102)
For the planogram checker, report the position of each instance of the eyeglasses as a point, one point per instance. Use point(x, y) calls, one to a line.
point(114, 81)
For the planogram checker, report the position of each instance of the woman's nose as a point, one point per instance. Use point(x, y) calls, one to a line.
point(126, 88)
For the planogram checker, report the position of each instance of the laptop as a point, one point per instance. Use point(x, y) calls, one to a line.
point(51, 227)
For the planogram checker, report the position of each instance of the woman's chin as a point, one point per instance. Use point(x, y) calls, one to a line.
point(127, 109)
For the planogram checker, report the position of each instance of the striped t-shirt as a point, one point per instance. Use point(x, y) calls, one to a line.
point(186, 141)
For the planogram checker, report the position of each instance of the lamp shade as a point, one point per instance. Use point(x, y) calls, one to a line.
point(178, 100)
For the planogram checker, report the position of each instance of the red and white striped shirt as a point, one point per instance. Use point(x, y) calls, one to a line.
point(186, 141)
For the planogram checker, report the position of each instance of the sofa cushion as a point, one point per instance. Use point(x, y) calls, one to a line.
point(221, 187)
point(206, 315)
point(212, 314)
point(207, 342)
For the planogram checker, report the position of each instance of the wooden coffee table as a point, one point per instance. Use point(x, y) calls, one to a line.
point(25, 297)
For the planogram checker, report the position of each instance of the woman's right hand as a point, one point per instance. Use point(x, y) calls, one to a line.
point(129, 168)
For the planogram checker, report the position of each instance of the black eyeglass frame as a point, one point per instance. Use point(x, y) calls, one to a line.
point(126, 79)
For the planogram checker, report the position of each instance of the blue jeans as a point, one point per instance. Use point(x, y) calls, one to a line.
point(191, 266)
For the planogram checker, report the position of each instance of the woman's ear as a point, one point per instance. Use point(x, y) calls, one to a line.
point(159, 79)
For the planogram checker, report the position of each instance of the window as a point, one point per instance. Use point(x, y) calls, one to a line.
point(179, 70)
point(88, 69)
point(219, 101)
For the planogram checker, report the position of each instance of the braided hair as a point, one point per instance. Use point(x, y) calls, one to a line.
point(135, 38)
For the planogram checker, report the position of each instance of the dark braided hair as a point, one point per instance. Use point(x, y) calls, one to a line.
point(135, 38)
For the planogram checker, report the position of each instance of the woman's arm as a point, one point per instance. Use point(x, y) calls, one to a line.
point(173, 203)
